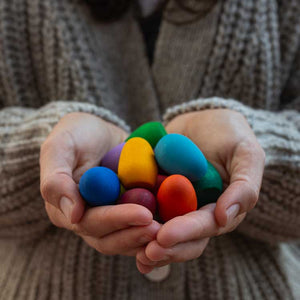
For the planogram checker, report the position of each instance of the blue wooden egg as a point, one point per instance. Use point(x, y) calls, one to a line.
point(177, 154)
point(99, 186)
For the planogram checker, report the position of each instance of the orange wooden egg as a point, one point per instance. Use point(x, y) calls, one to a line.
point(176, 197)
point(137, 164)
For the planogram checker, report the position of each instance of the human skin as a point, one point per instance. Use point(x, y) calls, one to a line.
point(228, 142)
point(77, 143)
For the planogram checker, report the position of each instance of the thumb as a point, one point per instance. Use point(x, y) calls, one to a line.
point(57, 185)
point(246, 172)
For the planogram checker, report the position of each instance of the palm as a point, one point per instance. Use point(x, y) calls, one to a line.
point(77, 143)
point(228, 142)
point(86, 139)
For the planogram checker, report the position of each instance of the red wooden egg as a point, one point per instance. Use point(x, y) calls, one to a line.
point(176, 197)
point(139, 196)
point(159, 179)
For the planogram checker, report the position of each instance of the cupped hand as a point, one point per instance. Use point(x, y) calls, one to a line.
point(77, 143)
point(227, 141)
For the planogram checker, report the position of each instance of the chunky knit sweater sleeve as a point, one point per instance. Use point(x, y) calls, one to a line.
point(276, 216)
point(22, 130)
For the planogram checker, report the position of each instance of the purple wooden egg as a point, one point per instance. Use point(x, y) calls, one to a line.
point(139, 196)
point(111, 158)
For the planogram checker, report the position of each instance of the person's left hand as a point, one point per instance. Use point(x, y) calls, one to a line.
point(228, 142)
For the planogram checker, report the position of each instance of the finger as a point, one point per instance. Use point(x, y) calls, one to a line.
point(144, 269)
point(143, 263)
point(57, 161)
point(123, 241)
point(178, 253)
point(192, 226)
point(246, 171)
point(100, 221)
point(133, 251)
point(142, 258)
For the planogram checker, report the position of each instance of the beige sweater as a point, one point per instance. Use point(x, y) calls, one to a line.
point(55, 59)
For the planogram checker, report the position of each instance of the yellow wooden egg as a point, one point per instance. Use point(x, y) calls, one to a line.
point(137, 165)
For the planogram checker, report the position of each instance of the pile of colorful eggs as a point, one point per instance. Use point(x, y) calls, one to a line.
point(167, 173)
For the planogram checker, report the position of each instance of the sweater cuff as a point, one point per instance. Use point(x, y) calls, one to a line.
point(208, 103)
point(22, 131)
point(61, 108)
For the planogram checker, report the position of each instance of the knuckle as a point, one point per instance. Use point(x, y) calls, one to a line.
point(54, 186)
point(46, 187)
point(249, 145)
point(261, 153)
point(46, 146)
point(254, 149)
point(199, 224)
point(202, 228)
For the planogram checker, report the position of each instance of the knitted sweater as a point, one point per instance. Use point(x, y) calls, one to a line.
point(55, 59)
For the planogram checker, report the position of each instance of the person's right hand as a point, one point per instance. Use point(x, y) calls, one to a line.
point(77, 143)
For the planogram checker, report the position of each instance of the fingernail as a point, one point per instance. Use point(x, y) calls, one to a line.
point(66, 206)
point(232, 212)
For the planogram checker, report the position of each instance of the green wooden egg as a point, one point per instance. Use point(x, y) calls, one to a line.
point(152, 132)
point(209, 187)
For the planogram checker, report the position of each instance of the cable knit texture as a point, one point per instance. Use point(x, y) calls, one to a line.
point(56, 59)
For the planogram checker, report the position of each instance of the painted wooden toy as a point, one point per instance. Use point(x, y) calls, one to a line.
point(139, 196)
point(160, 178)
point(176, 197)
point(137, 165)
point(177, 154)
point(152, 132)
point(99, 186)
point(209, 187)
point(111, 158)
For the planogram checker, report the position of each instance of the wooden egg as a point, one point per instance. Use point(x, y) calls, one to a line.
point(137, 165)
point(160, 178)
point(111, 158)
point(99, 186)
point(209, 187)
point(139, 196)
point(152, 132)
point(177, 154)
point(176, 197)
